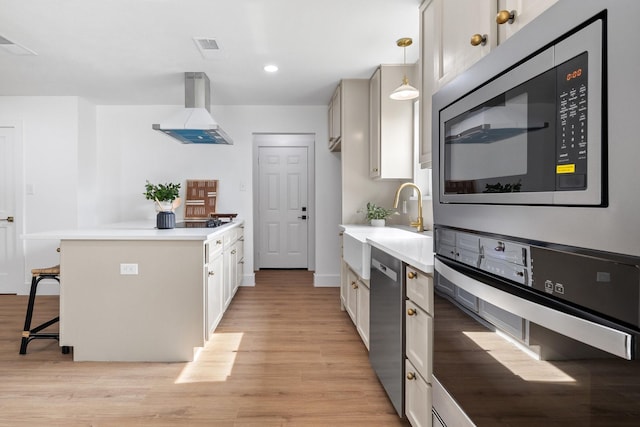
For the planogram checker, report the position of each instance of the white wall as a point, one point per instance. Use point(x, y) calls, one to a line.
point(130, 152)
point(50, 147)
point(88, 164)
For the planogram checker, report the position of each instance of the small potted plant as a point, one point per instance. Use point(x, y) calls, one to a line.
point(376, 215)
point(166, 197)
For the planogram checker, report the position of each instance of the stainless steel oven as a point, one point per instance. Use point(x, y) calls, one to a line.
point(537, 232)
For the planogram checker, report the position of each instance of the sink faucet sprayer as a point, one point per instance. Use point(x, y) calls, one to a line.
point(418, 224)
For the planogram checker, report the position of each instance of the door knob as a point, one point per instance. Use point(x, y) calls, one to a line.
point(302, 217)
point(8, 219)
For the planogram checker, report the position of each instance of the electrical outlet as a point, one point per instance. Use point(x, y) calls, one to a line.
point(128, 269)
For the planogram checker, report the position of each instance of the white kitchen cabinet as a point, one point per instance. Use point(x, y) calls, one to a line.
point(427, 84)
point(335, 120)
point(362, 312)
point(390, 124)
point(525, 12)
point(357, 188)
point(418, 397)
point(456, 22)
point(214, 274)
point(419, 325)
point(232, 257)
point(418, 346)
point(354, 293)
point(239, 263)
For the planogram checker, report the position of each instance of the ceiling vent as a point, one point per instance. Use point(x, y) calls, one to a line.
point(209, 48)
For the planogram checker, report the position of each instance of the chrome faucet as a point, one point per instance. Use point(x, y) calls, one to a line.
point(418, 223)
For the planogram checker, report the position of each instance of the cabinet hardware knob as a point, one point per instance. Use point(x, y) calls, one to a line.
point(505, 16)
point(520, 273)
point(233, 252)
point(478, 40)
point(411, 376)
point(375, 169)
point(218, 242)
point(354, 285)
point(57, 249)
point(412, 312)
point(412, 275)
point(211, 273)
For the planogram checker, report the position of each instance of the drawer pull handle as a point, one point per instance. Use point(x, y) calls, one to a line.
point(412, 312)
point(412, 275)
point(411, 376)
point(478, 40)
point(505, 16)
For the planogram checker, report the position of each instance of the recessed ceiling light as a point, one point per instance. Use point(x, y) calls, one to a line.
point(271, 68)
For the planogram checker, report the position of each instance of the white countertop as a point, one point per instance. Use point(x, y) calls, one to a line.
point(141, 230)
point(411, 247)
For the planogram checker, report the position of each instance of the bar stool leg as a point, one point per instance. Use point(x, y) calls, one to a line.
point(27, 321)
point(29, 333)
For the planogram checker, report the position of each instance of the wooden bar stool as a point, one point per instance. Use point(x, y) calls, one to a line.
point(28, 333)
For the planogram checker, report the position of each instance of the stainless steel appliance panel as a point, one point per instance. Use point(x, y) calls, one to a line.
point(386, 328)
point(612, 227)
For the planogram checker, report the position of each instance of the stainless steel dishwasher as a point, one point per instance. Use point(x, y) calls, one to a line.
point(386, 325)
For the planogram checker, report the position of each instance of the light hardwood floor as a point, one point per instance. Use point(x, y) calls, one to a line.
point(283, 355)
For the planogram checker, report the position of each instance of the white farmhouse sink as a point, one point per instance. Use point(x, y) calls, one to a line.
point(357, 252)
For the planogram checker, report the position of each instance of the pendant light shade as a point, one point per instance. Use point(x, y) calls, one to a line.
point(405, 90)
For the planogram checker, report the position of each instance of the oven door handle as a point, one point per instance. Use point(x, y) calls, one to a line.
point(603, 337)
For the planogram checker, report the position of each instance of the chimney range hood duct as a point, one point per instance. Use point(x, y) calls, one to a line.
point(194, 124)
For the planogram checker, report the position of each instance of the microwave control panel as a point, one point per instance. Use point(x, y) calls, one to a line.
point(571, 148)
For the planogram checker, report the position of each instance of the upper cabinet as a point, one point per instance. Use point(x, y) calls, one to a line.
point(455, 23)
point(390, 124)
point(335, 122)
point(525, 12)
point(454, 34)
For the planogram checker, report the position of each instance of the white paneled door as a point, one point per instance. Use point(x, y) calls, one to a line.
point(283, 207)
point(10, 254)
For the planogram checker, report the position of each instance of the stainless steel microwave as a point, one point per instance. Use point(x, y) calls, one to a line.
point(539, 139)
point(531, 135)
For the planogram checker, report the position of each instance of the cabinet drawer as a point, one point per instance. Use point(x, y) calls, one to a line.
point(417, 398)
point(420, 288)
point(419, 339)
point(214, 248)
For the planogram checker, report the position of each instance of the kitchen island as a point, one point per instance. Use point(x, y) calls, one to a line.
point(131, 292)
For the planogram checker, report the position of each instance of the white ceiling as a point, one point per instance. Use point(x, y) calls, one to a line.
point(136, 51)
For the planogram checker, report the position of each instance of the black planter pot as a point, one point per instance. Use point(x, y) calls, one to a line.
point(165, 220)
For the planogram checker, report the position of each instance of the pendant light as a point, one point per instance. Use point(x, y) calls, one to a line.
point(405, 90)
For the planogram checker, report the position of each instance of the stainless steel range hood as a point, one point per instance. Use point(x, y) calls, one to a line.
point(194, 124)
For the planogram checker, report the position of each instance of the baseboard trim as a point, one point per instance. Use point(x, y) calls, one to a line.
point(326, 280)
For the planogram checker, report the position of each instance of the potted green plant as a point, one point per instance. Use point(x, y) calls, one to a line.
point(167, 198)
point(376, 215)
